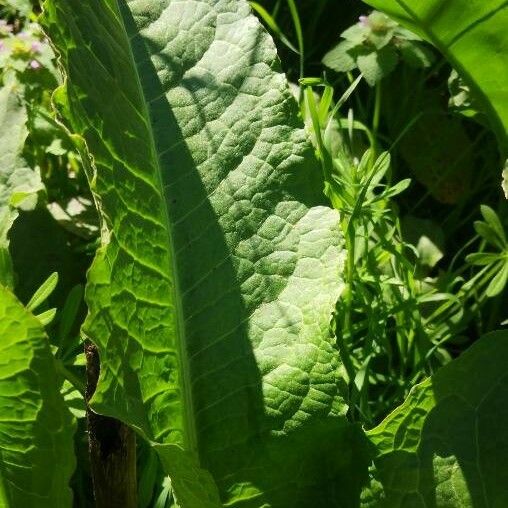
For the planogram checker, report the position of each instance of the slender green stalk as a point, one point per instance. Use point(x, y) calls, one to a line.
point(299, 33)
point(75, 381)
point(376, 118)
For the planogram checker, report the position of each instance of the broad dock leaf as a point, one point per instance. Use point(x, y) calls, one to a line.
point(472, 35)
point(211, 296)
point(446, 446)
point(36, 429)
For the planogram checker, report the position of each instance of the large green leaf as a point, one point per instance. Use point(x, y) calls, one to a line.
point(446, 446)
point(36, 429)
point(212, 293)
point(472, 35)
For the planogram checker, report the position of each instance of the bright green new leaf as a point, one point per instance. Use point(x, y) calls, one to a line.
point(492, 219)
point(446, 445)
point(212, 293)
point(498, 283)
point(43, 293)
point(36, 429)
point(465, 31)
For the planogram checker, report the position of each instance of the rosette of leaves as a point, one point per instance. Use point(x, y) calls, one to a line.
point(375, 45)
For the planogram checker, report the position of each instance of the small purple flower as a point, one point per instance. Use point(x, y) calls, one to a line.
point(364, 21)
point(34, 64)
point(2, 46)
point(36, 47)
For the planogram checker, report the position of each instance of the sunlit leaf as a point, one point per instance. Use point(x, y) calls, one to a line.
point(36, 429)
point(213, 290)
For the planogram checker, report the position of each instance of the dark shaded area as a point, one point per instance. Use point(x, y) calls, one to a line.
point(462, 445)
point(322, 23)
point(112, 447)
point(40, 246)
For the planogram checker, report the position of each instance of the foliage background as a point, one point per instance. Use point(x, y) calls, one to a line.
point(427, 258)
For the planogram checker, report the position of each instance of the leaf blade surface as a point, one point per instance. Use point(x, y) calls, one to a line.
point(36, 429)
point(444, 446)
point(212, 293)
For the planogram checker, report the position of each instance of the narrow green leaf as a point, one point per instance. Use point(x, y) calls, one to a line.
point(488, 234)
point(465, 31)
point(36, 429)
point(272, 24)
point(148, 477)
point(42, 294)
point(394, 190)
point(343, 99)
point(482, 258)
point(69, 313)
point(445, 446)
point(308, 81)
point(498, 283)
point(298, 31)
point(493, 221)
point(164, 496)
point(46, 317)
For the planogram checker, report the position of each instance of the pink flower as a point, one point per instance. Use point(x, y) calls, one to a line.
point(36, 47)
point(34, 64)
point(364, 21)
point(2, 46)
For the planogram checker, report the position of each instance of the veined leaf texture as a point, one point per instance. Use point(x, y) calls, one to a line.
point(36, 429)
point(211, 296)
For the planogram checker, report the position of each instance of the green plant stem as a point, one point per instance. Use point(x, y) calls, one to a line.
point(344, 338)
point(299, 33)
point(70, 376)
point(299, 37)
point(375, 119)
point(350, 273)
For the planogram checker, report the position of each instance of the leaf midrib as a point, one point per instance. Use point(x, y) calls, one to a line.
point(189, 429)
